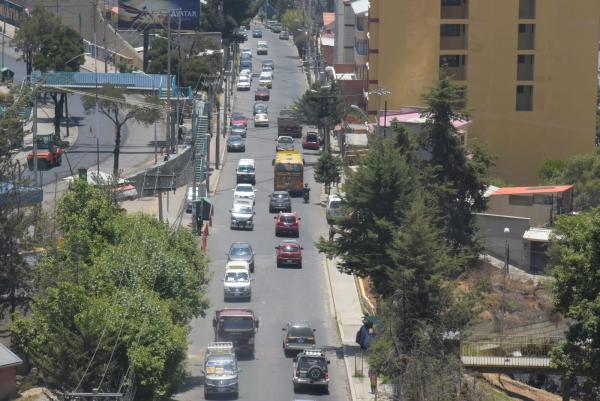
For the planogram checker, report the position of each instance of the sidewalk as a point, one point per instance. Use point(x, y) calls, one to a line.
point(348, 315)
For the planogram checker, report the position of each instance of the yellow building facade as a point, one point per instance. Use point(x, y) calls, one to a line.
point(530, 69)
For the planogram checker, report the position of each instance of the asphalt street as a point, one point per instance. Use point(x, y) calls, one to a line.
point(279, 295)
point(137, 145)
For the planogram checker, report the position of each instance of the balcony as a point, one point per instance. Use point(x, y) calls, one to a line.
point(453, 37)
point(455, 66)
point(454, 9)
point(525, 67)
point(526, 40)
point(526, 9)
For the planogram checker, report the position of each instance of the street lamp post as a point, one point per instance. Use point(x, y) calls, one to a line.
point(505, 274)
point(379, 92)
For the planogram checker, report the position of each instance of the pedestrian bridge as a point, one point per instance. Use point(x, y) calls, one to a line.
point(508, 353)
point(141, 82)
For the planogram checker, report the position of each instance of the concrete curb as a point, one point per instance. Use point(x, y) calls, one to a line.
point(340, 331)
point(365, 302)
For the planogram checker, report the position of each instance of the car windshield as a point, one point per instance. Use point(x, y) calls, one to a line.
point(306, 362)
point(335, 204)
point(237, 323)
point(288, 219)
point(220, 365)
point(246, 169)
point(280, 196)
point(235, 138)
point(236, 277)
point(244, 188)
point(302, 331)
point(290, 248)
point(238, 126)
point(283, 139)
point(240, 250)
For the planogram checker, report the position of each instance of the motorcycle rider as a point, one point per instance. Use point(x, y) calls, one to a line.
point(306, 192)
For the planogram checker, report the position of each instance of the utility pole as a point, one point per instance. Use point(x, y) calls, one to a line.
point(169, 138)
point(35, 131)
point(3, 30)
point(218, 138)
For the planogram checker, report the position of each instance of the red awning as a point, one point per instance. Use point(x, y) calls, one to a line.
point(551, 189)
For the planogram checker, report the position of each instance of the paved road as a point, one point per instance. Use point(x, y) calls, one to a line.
point(279, 295)
point(137, 143)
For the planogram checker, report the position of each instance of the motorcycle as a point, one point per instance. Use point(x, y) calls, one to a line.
point(306, 195)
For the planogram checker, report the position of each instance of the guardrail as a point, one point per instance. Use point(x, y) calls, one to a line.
point(508, 352)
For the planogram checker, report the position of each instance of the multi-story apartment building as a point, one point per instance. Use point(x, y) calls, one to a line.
point(529, 68)
point(344, 32)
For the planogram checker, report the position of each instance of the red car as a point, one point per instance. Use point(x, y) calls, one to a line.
point(237, 118)
point(311, 141)
point(261, 93)
point(287, 224)
point(289, 253)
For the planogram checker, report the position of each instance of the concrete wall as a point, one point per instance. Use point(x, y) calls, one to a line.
point(180, 165)
point(539, 214)
point(404, 58)
point(491, 231)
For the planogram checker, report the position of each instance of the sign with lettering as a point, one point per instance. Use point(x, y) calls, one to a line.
point(144, 14)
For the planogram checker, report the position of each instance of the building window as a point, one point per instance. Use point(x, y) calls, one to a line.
point(520, 200)
point(455, 66)
point(525, 67)
point(524, 98)
point(454, 9)
point(526, 39)
point(360, 23)
point(453, 37)
point(541, 199)
point(362, 47)
point(526, 9)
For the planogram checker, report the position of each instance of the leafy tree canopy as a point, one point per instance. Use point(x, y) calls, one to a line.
point(124, 285)
point(328, 169)
point(574, 263)
point(320, 105)
point(582, 171)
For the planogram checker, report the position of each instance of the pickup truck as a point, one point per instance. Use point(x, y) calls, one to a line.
point(238, 326)
point(288, 124)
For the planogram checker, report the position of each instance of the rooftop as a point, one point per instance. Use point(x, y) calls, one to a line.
point(413, 117)
point(8, 358)
point(550, 189)
point(360, 7)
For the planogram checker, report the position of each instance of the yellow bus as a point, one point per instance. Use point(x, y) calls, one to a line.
point(289, 171)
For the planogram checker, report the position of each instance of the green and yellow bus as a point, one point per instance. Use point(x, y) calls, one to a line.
point(289, 171)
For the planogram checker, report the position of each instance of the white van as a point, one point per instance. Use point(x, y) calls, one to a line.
point(332, 210)
point(246, 172)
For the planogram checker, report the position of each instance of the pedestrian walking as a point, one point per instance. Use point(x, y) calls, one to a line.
point(373, 379)
point(331, 233)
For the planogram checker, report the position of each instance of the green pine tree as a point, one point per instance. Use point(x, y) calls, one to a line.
point(328, 170)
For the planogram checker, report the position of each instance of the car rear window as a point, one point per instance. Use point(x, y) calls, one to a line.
point(288, 219)
point(300, 332)
point(246, 169)
point(290, 248)
point(306, 362)
point(311, 137)
point(280, 196)
point(240, 250)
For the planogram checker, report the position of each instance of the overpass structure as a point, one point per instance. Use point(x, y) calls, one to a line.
point(508, 353)
point(146, 83)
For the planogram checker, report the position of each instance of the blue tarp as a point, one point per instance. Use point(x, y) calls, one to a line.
point(23, 195)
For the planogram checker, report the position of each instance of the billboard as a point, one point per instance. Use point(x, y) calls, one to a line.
point(143, 14)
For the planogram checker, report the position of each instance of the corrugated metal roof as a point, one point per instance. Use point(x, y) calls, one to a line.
point(8, 358)
point(550, 189)
point(537, 234)
point(360, 6)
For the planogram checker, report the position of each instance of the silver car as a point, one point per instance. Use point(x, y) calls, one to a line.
point(310, 369)
point(241, 251)
point(236, 284)
point(221, 370)
point(242, 216)
point(235, 143)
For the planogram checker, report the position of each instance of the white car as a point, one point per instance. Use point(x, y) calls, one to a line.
point(237, 281)
point(246, 71)
point(284, 142)
point(244, 191)
point(242, 216)
point(261, 120)
point(269, 69)
point(246, 50)
point(243, 83)
point(262, 48)
point(266, 79)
